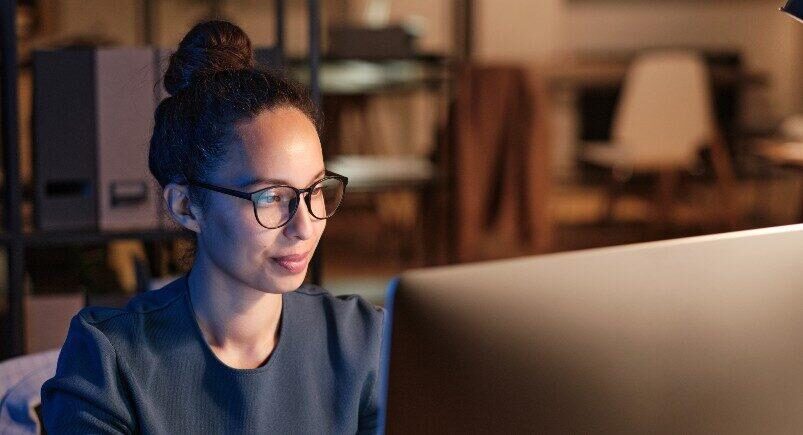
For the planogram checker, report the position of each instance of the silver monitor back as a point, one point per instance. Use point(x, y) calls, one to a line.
point(696, 335)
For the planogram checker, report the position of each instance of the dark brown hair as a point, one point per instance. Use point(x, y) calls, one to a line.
point(213, 83)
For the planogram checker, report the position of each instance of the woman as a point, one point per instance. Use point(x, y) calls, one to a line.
point(238, 344)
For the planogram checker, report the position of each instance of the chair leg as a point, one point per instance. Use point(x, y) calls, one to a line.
point(800, 210)
point(726, 181)
point(665, 198)
point(614, 190)
point(611, 196)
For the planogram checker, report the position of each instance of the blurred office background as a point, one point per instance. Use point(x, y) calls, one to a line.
point(470, 130)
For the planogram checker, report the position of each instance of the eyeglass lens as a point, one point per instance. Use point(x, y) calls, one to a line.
point(277, 205)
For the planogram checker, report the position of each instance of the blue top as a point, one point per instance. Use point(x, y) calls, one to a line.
point(147, 368)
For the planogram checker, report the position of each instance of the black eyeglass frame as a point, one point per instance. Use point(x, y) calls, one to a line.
point(251, 196)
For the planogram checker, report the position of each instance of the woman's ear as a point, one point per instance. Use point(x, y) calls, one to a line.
point(179, 207)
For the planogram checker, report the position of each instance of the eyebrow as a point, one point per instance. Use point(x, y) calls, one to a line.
point(259, 180)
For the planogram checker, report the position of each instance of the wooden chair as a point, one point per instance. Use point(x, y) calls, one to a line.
point(663, 120)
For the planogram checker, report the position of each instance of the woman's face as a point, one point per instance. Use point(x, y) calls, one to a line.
point(279, 146)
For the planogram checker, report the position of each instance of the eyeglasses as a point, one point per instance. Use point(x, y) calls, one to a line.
point(275, 206)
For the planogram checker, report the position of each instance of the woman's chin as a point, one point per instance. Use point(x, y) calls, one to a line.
point(286, 278)
point(286, 284)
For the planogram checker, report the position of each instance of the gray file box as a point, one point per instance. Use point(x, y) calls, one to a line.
point(64, 136)
point(93, 116)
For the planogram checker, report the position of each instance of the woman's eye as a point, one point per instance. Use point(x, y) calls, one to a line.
point(269, 199)
point(317, 191)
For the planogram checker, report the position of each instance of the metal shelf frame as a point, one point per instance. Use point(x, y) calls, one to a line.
point(12, 337)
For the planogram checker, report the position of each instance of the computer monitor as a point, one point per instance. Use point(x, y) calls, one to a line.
point(696, 335)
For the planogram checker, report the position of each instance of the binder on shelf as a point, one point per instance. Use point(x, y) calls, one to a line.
point(93, 116)
point(125, 101)
point(64, 135)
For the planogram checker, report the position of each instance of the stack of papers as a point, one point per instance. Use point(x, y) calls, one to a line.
point(383, 171)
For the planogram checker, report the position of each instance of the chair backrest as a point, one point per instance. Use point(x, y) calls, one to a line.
point(664, 114)
point(21, 379)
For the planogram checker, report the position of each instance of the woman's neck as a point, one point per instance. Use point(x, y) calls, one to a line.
point(237, 321)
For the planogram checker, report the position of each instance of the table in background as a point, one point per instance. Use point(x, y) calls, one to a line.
point(785, 154)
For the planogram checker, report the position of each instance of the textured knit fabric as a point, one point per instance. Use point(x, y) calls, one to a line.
point(148, 369)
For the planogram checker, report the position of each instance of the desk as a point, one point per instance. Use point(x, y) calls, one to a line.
point(577, 73)
point(570, 80)
point(784, 154)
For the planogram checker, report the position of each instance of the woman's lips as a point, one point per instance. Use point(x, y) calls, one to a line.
point(295, 263)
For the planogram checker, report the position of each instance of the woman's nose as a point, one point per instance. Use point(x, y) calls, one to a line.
point(301, 225)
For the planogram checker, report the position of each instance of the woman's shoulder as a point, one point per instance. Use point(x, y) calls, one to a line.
point(341, 305)
point(351, 311)
point(108, 319)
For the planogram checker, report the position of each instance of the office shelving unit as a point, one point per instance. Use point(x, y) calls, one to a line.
point(14, 239)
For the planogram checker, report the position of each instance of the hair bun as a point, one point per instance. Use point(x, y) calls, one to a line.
point(208, 48)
